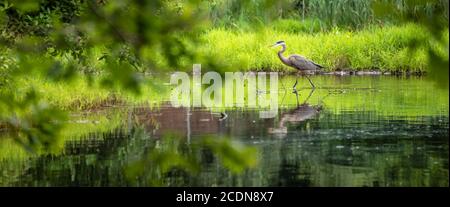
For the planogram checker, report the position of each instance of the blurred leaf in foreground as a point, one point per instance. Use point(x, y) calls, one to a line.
point(33, 124)
point(173, 155)
point(431, 15)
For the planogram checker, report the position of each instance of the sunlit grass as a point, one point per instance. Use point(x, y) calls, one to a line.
point(80, 94)
point(383, 48)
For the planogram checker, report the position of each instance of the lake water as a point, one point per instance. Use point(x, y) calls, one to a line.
point(349, 131)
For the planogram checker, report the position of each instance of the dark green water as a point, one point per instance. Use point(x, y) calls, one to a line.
point(368, 131)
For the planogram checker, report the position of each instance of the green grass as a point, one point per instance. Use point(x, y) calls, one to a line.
point(383, 48)
point(80, 95)
point(76, 95)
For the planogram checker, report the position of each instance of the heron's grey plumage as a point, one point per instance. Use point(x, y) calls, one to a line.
point(301, 63)
point(298, 62)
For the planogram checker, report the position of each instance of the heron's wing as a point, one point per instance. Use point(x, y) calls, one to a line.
point(320, 66)
point(302, 63)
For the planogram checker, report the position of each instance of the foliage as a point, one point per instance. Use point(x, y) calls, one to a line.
point(433, 16)
point(230, 12)
point(170, 155)
point(57, 40)
point(352, 14)
point(32, 123)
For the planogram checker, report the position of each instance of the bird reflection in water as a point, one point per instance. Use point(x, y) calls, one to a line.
point(302, 112)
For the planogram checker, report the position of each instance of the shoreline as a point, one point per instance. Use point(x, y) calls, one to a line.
point(362, 73)
point(339, 72)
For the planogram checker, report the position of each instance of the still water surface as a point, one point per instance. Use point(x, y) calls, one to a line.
point(350, 131)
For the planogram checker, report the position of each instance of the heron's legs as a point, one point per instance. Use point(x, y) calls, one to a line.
point(295, 84)
point(312, 84)
point(309, 96)
point(296, 94)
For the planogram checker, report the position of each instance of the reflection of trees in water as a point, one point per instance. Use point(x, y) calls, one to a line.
point(291, 172)
point(94, 160)
point(180, 120)
point(361, 149)
point(349, 149)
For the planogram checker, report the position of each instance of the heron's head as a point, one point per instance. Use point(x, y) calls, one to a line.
point(281, 42)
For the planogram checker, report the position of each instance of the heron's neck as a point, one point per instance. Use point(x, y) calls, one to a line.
point(280, 55)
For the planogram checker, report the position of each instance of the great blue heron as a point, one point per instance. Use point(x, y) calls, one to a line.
point(298, 62)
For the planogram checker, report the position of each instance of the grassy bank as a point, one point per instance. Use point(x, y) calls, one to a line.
point(83, 95)
point(383, 48)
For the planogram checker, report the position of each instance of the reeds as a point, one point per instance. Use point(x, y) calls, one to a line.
point(353, 14)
